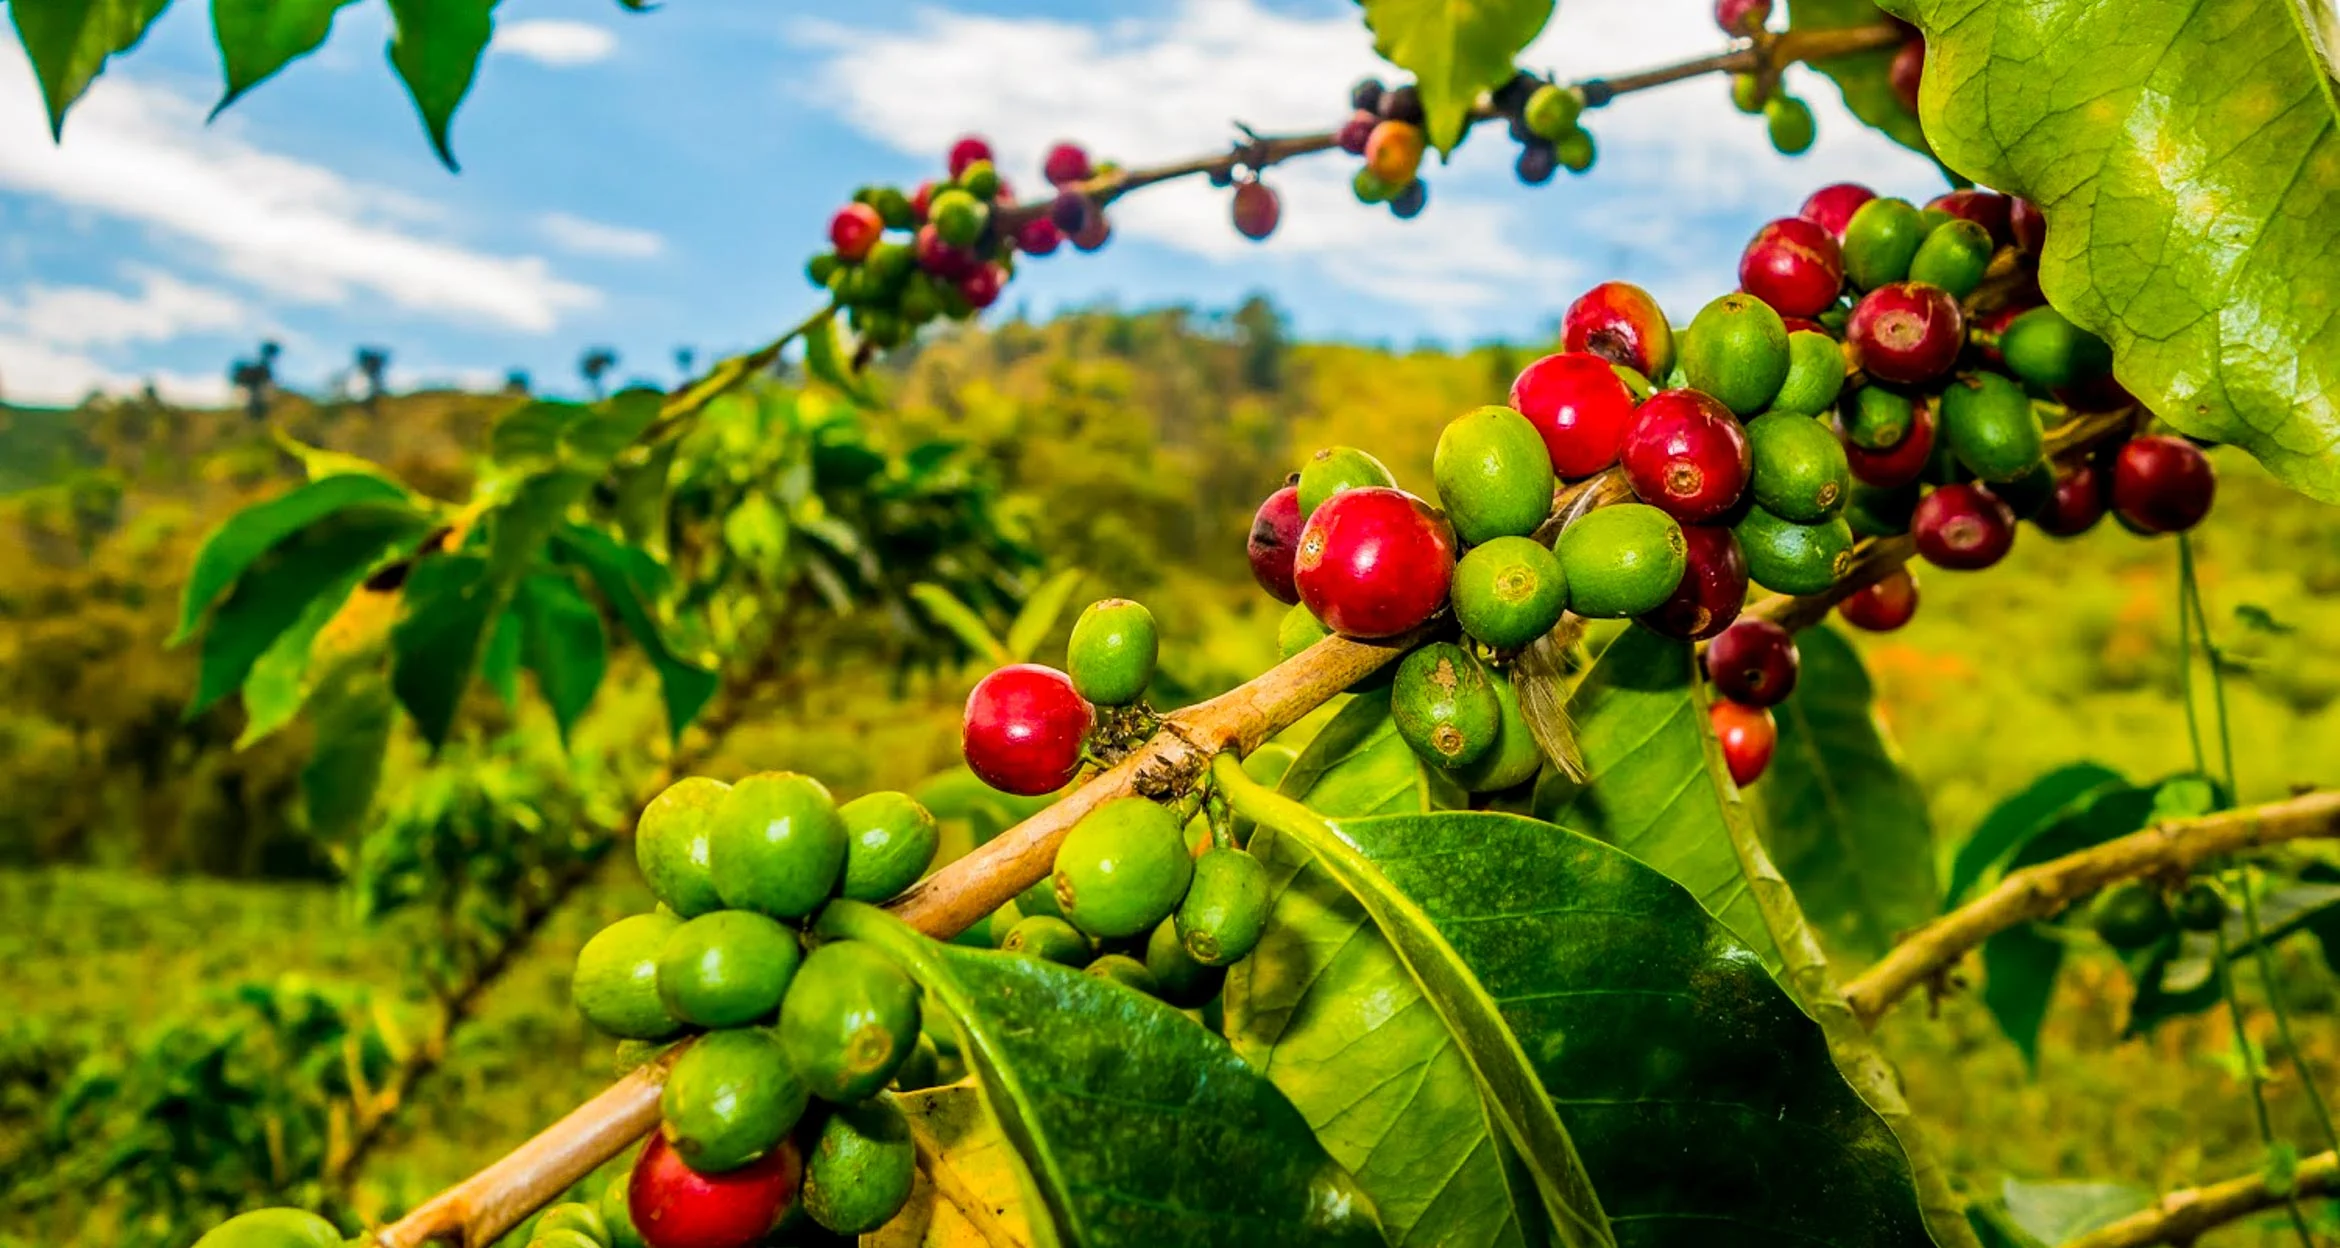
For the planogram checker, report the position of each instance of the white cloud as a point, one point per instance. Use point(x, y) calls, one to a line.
point(298, 230)
point(596, 238)
point(557, 43)
point(48, 333)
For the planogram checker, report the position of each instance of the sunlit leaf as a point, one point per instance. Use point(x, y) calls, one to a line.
point(435, 46)
point(1456, 51)
point(69, 41)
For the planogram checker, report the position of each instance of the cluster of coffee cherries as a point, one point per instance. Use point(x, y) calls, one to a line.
point(2139, 914)
point(777, 1110)
point(899, 261)
point(1385, 127)
point(1788, 120)
point(1140, 894)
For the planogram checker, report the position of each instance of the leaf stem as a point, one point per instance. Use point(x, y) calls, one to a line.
point(2266, 964)
point(2252, 1074)
point(2191, 599)
point(2186, 656)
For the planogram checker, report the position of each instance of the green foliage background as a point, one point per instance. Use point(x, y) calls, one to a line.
point(148, 869)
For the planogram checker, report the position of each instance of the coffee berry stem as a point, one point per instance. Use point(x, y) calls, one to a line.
point(2180, 1216)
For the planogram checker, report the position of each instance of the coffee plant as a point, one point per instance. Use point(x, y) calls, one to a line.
point(1523, 943)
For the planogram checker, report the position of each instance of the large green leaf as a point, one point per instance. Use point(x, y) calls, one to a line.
point(1844, 823)
point(633, 582)
point(68, 42)
point(435, 46)
point(451, 604)
point(1040, 614)
point(254, 531)
point(355, 714)
point(561, 643)
point(967, 1142)
point(257, 37)
point(2013, 822)
point(2187, 157)
point(1865, 78)
point(1456, 50)
point(1137, 1127)
point(1648, 788)
point(1328, 1010)
point(279, 683)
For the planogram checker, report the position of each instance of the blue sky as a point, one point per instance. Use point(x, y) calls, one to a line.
point(657, 180)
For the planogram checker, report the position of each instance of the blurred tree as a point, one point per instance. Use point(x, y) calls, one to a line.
point(372, 362)
point(686, 361)
point(595, 365)
point(1265, 337)
point(256, 377)
point(516, 381)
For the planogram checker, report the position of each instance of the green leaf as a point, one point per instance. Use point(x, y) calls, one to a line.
point(450, 608)
point(562, 645)
point(1648, 786)
point(318, 463)
point(499, 664)
point(2029, 954)
point(824, 361)
point(279, 682)
point(2056, 1212)
point(1865, 78)
point(257, 37)
point(69, 41)
point(1137, 1127)
point(1040, 614)
point(2182, 979)
point(967, 1140)
point(944, 608)
point(1359, 765)
point(1844, 823)
point(632, 582)
point(435, 46)
point(2013, 822)
point(275, 592)
point(2187, 158)
point(254, 531)
point(1456, 50)
point(354, 713)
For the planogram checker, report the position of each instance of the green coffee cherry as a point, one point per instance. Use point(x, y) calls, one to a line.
point(1791, 558)
point(726, 969)
point(923, 1069)
point(1574, 150)
point(671, 845)
point(889, 841)
point(1444, 705)
point(2201, 907)
point(729, 1099)
point(617, 1212)
point(1122, 869)
point(1179, 977)
point(1114, 645)
point(860, 1168)
point(576, 1218)
point(1369, 189)
point(1880, 241)
point(1122, 969)
point(1747, 93)
point(981, 180)
point(958, 216)
point(1801, 473)
point(1622, 560)
point(1953, 257)
point(1877, 419)
point(1337, 468)
point(894, 208)
point(1736, 350)
point(1634, 381)
point(272, 1228)
point(1988, 423)
point(1494, 475)
point(1509, 592)
point(1789, 121)
point(1516, 758)
point(2043, 348)
point(1049, 939)
point(2131, 915)
point(1876, 512)
point(1552, 110)
point(777, 846)
point(1226, 908)
point(564, 1237)
point(850, 1021)
point(616, 982)
point(1815, 374)
point(821, 268)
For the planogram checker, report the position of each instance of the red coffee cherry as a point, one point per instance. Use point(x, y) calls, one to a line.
point(1356, 131)
point(1793, 265)
point(1374, 562)
point(674, 1206)
point(1907, 332)
point(1256, 210)
point(1753, 662)
point(1713, 589)
point(1580, 405)
point(1901, 463)
point(1831, 206)
point(1038, 237)
point(1023, 729)
point(1908, 71)
point(941, 258)
point(1747, 735)
point(1883, 606)
point(2162, 484)
point(1963, 527)
point(2028, 226)
point(1687, 455)
point(2077, 504)
point(967, 151)
point(1621, 323)
point(1988, 209)
point(1275, 541)
point(1741, 17)
point(854, 230)
point(1066, 162)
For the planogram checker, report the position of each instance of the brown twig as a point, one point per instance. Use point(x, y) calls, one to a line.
point(2170, 848)
point(2179, 1216)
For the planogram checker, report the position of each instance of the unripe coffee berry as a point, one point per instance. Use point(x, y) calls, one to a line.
point(1509, 591)
point(1736, 350)
point(1112, 652)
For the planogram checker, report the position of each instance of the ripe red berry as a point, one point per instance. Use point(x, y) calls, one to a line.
point(1374, 562)
point(1741, 17)
point(2027, 225)
point(1831, 206)
point(2162, 484)
point(1023, 729)
point(1794, 265)
point(1275, 540)
point(1908, 71)
point(1754, 662)
point(967, 151)
point(1038, 237)
point(982, 286)
point(1354, 132)
point(1963, 527)
point(1908, 332)
point(1687, 455)
point(1580, 405)
point(1901, 463)
point(1256, 210)
point(1621, 323)
point(854, 230)
point(941, 258)
point(2077, 504)
point(1066, 162)
point(1747, 735)
point(1713, 587)
point(674, 1206)
point(922, 200)
point(1884, 605)
point(1987, 209)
